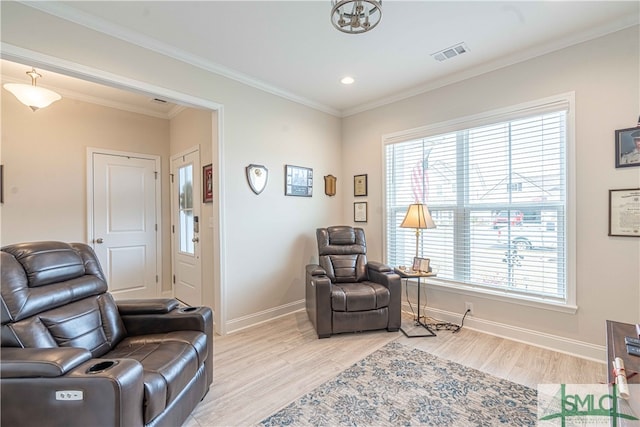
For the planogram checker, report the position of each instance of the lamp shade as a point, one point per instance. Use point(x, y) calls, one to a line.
point(418, 217)
point(33, 97)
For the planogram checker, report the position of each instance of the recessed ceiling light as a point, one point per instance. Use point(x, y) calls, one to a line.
point(347, 80)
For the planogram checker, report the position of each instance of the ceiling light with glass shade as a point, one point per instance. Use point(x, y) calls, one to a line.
point(33, 96)
point(356, 16)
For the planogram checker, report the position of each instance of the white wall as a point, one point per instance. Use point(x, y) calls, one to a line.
point(266, 239)
point(604, 73)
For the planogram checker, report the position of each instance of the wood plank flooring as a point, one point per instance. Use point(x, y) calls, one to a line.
point(262, 369)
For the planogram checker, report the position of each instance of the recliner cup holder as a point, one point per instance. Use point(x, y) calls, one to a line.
point(102, 366)
point(188, 309)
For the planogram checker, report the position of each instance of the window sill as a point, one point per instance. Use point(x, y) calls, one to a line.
point(497, 295)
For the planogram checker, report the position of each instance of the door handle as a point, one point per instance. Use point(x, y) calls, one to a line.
point(195, 240)
point(99, 240)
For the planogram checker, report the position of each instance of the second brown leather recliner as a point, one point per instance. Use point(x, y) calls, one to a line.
point(347, 293)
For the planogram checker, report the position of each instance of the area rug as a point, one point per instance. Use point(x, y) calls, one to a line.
point(401, 386)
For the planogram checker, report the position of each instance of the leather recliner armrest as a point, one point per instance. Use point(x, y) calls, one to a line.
point(315, 270)
point(40, 362)
point(147, 306)
point(108, 396)
point(378, 266)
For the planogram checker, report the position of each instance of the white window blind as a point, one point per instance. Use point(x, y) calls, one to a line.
point(497, 193)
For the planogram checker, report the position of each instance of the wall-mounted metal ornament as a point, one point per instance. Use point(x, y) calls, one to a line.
point(330, 185)
point(257, 176)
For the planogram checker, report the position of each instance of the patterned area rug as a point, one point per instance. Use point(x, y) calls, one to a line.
point(398, 385)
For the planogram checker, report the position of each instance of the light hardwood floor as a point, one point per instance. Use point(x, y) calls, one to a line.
point(262, 369)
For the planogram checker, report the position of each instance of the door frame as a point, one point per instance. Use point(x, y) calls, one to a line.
point(158, 208)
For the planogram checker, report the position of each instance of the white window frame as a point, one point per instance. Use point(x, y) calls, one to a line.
point(503, 114)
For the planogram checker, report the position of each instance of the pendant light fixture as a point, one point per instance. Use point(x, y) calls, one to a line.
point(31, 95)
point(356, 16)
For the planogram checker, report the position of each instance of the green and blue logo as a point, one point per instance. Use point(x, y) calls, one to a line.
point(570, 405)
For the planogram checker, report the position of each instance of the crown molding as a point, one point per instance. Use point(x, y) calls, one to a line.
point(113, 30)
point(521, 56)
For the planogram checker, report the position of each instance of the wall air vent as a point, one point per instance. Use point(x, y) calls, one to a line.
point(158, 101)
point(450, 52)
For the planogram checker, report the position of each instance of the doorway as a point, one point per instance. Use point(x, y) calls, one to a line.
point(185, 227)
point(215, 295)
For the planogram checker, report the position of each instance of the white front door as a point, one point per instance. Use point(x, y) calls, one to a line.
point(186, 193)
point(125, 224)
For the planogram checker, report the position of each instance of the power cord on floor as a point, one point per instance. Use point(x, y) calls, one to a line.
point(462, 321)
point(437, 325)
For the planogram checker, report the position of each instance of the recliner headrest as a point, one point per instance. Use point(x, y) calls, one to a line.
point(40, 276)
point(341, 239)
point(47, 262)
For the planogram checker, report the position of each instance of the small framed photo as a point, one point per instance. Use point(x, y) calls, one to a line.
point(360, 212)
point(628, 147)
point(298, 181)
point(207, 183)
point(624, 212)
point(421, 264)
point(360, 185)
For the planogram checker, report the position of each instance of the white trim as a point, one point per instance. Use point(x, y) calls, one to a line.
point(252, 320)
point(220, 244)
point(91, 151)
point(585, 350)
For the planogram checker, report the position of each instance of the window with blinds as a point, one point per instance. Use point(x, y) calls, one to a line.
point(498, 195)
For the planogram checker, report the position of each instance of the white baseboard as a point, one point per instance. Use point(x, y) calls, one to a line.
point(557, 343)
point(255, 319)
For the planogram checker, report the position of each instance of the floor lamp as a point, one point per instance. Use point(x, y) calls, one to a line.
point(418, 217)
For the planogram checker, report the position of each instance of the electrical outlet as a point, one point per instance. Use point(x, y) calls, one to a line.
point(468, 307)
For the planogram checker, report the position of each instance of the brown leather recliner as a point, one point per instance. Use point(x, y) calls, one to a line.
point(345, 293)
point(72, 356)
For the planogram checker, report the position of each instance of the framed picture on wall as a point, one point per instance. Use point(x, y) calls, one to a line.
point(360, 185)
point(628, 147)
point(298, 181)
point(207, 183)
point(360, 212)
point(624, 212)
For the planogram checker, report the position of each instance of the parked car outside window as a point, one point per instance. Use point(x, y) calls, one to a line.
point(503, 217)
point(527, 237)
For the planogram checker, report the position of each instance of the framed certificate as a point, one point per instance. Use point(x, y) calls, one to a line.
point(360, 185)
point(624, 212)
point(360, 212)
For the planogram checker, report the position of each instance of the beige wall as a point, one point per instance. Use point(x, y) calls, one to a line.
point(266, 240)
point(45, 165)
point(604, 73)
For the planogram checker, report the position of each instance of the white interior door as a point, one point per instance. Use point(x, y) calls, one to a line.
point(186, 225)
point(125, 223)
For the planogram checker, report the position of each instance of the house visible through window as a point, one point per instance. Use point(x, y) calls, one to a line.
point(497, 192)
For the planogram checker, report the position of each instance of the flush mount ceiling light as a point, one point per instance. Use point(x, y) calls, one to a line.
point(356, 16)
point(31, 95)
point(347, 80)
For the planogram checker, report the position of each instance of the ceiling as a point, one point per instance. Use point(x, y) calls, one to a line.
point(291, 49)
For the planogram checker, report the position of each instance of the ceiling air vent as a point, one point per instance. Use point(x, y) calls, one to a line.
point(158, 101)
point(450, 52)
